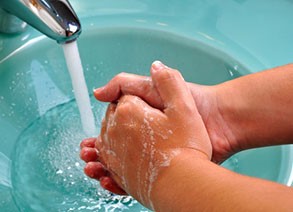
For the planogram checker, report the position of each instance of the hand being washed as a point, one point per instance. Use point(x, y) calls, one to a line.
point(165, 134)
point(138, 141)
point(204, 98)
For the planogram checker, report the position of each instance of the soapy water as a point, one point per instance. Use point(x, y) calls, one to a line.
point(47, 173)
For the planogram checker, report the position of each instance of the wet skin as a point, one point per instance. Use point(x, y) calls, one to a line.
point(143, 87)
point(95, 169)
point(224, 118)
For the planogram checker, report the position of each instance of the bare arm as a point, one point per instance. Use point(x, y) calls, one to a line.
point(201, 185)
point(190, 181)
point(258, 111)
point(259, 107)
point(252, 111)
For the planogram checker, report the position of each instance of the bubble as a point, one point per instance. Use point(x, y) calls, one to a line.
point(59, 172)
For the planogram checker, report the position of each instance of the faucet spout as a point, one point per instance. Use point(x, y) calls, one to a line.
point(54, 18)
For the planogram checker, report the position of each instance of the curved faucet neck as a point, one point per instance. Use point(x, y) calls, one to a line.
point(54, 18)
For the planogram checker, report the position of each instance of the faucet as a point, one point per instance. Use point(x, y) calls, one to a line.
point(54, 18)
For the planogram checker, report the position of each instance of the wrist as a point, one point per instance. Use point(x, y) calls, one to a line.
point(214, 107)
point(174, 181)
point(255, 107)
point(232, 111)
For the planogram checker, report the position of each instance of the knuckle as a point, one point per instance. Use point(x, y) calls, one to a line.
point(170, 75)
point(120, 76)
point(177, 74)
point(123, 111)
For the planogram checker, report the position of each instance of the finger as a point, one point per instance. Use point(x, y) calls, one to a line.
point(95, 170)
point(109, 113)
point(101, 146)
point(124, 84)
point(138, 109)
point(109, 184)
point(88, 154)
point(98, 143)
point(108, 124)
point(88, 142)
point(172, 88)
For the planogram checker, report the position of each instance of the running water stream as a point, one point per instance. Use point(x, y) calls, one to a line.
point(81, 93)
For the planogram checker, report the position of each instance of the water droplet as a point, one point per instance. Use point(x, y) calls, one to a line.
point(59, 172)
point(231, 73)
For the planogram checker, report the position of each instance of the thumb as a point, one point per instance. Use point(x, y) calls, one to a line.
point(172, 88)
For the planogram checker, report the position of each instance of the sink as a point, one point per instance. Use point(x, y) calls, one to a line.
point(40, 128)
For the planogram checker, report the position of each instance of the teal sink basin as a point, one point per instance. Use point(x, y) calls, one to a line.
point(40, 130)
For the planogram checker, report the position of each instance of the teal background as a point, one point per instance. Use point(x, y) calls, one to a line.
point(209, 41)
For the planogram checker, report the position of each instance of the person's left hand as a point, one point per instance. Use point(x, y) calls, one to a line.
point(138, 141)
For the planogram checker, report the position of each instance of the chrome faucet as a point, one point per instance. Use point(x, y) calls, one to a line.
point(54, 18)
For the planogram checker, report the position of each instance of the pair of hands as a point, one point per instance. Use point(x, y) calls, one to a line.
point(149, 121)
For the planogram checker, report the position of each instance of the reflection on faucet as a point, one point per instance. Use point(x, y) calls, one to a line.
point(54, 18)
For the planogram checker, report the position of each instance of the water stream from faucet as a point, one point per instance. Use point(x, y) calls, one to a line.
point(81, 93)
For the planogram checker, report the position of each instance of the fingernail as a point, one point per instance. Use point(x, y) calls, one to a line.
point(97, 90)
point(158, 66)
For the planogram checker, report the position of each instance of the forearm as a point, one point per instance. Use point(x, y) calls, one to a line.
point(259, 107)
point(195, 184)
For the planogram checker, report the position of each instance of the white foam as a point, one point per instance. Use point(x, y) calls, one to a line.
point(79, 86)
